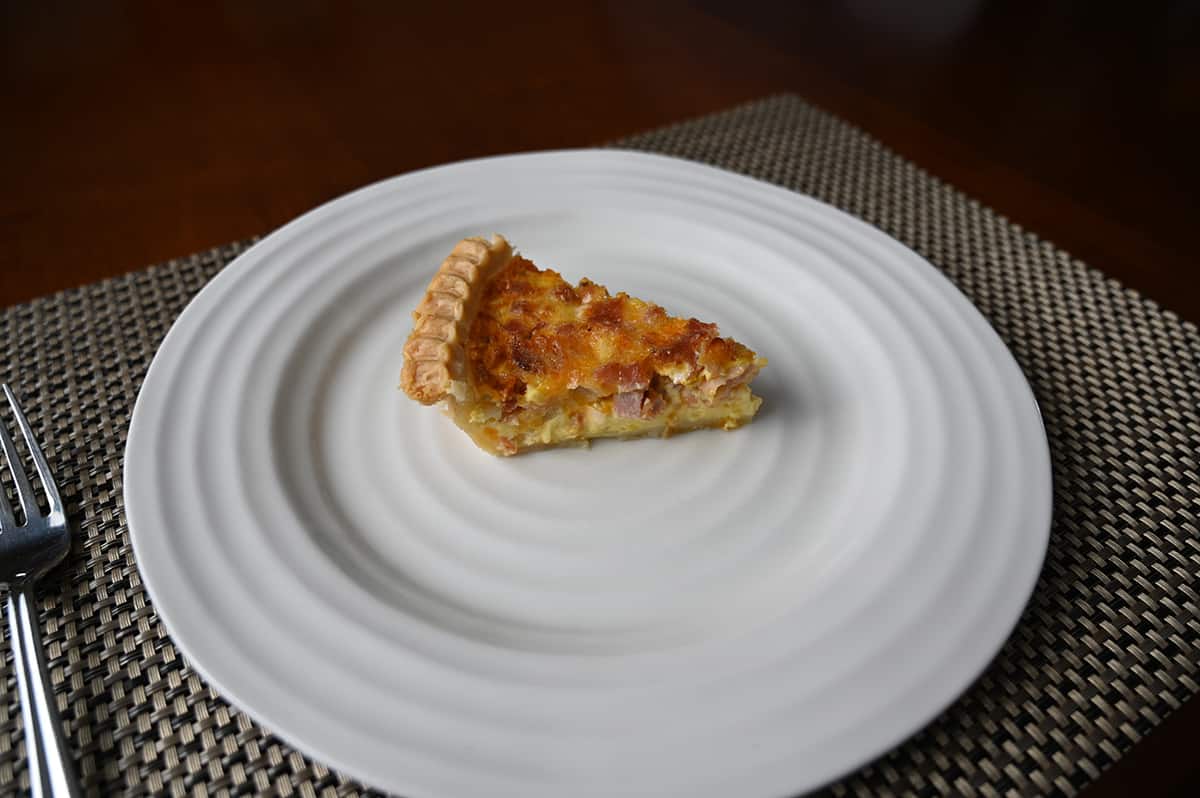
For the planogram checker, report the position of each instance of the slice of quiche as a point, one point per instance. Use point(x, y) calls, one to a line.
point(521, 359)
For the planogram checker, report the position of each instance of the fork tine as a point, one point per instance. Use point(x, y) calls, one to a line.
point(20, 481)
point(24, 489)
point(7, 521)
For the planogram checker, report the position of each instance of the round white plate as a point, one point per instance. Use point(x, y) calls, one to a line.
point(745, 613)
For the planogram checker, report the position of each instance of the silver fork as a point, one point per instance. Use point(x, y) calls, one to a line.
point(27, 552)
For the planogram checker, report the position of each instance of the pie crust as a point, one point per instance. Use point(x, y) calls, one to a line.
point(434, 358)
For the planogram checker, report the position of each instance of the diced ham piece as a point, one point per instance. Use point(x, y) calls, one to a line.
point(653, 404)
point(637, 404)
point(628, 404)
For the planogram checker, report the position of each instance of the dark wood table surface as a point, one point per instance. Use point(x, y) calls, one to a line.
point(134, 132)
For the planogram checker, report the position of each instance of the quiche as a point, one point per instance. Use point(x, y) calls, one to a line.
point(520, 359)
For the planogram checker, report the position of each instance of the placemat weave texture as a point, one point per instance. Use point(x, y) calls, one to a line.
point(1109, 644)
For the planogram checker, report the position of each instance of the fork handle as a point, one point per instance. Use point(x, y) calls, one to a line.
point(51, 770)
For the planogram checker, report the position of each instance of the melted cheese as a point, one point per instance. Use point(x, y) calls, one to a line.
point(537, 340)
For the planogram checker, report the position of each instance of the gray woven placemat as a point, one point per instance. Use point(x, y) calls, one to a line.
point(1108, 646)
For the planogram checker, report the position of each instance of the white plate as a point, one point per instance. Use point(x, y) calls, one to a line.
point(742, 613)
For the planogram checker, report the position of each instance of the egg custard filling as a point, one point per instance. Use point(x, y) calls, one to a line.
point(520, 359)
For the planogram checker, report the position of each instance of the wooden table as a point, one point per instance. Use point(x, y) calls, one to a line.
point(141, 131)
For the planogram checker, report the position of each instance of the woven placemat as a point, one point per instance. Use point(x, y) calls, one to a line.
point(1108, 645)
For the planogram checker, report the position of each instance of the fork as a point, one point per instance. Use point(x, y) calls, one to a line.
point(27, 551)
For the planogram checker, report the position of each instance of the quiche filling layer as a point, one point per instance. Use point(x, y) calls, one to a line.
point(579, 419)
point(522, 359)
